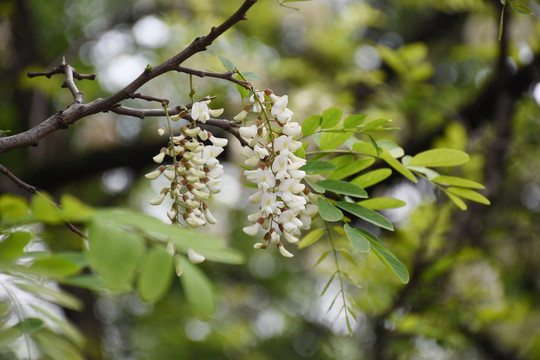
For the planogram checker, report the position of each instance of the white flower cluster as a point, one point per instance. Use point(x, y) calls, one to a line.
point(194, 174)
point(285, 204)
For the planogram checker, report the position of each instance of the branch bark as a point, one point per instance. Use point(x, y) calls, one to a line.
point(78, 110)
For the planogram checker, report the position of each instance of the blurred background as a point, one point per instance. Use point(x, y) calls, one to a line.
point(436, 68)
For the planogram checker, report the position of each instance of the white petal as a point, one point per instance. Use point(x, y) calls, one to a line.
point(284, 252)
point(195, 257)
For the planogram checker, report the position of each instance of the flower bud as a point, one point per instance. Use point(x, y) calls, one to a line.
point(283, 251)
point(195, 257)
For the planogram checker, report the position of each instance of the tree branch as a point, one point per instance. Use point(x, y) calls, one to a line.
point(225, 76)
point(16, 180)
point(78, 111)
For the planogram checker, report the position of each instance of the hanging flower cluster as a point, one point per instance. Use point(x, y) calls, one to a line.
point(195, 172)
point(285, 205)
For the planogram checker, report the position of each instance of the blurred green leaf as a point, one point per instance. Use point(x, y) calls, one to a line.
point(29, 325)
point(13, 245)
point(227, 63)
point(44, 209)
point(55, 267)
point(58, 297)
point(357, 239)
point(13, 208)
point(157, 274)
point(366, 214)
point(311, 237)
point(114, 253)
point(199, 290)
point(74, 210)
point(328, 211)
point(56, 347)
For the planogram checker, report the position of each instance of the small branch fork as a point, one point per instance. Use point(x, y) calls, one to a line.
point(78, 109)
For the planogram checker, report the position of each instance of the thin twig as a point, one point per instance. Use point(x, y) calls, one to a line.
point(225, 76)
point(16, 180)
point(78, 96)
point(147, 98)
point(60, 70)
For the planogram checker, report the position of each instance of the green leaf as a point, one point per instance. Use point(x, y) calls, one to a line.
point(331, 117)
point(65, 327)
point(182, 238)
point(44, 209)
point(520, 8)
point(311, 237)
point(13, 208)
point(394, 149)
point(74, 210)
point(457, 201)
point(311, 124)
point(457, 181)
point(350, 167)
point(92, 282)
point(439, 157)
point(227, 63)
point(222, 255)
point(354, 121)
point(347, 256)
point(343, 187)
point(387, 258)
point(328, 211)
point(114, 253)
point(332, 140)
point(357, 239)
point(382, 203)
point(386, 156)
point(371, 178)
point(199, 290)
point(365, 148)
point(55, 267)
point(375, 124)
point(318, 167)
point(12, 247)
point(323, 256)
point(315, 187)
point(58, 297)
point(9, 336)
point(328, 283)
point(157, 274)
point(468, 194)
point(244, 93)
point(251, 76)
point(29, 325)
point(56, 347)
point(366, 214)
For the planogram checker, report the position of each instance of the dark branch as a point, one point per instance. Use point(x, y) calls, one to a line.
point(78, 111)
point(147, 98)
point(60, 70)
point(225, 76)
point(16, 180)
